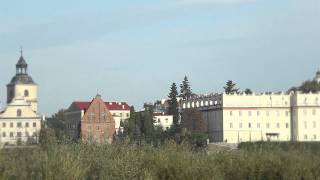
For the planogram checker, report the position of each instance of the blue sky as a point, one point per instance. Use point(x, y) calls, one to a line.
point(133, 50)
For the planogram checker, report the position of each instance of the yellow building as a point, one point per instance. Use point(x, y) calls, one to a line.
point(235, 118)
point(19, 121)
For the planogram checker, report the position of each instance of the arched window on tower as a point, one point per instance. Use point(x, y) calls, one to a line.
point(26, 93)
point(19, 113)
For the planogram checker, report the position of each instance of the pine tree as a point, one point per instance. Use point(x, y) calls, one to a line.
point(173, 104)
point(230, 87)
point(185, 89)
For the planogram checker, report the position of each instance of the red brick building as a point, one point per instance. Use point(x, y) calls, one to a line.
point(95, 123)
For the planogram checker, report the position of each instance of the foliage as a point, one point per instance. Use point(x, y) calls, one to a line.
point(230, 87)
point(185, 89)
point(168, 161)
point(192, 120)
point(173, 104)
point(248, 91)
point(307, 87)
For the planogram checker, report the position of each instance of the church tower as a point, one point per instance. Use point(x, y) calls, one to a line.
point(22, 85)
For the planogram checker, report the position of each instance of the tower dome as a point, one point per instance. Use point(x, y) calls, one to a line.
point(21, 76)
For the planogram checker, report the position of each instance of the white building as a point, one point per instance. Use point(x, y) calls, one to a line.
point(163, 120)
point(260, 117)
point(20, 122)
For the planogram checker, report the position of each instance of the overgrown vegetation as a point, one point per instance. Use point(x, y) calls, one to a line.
point(70, 161)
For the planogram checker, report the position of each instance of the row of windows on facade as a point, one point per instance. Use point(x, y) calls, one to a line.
point(19, 124)
point(104, 116)
point(167, 120)
point(267, 113)
point(18, 134)
point(201, 104)
point(26, 93)
point(259, 125)
point(121, 114)
point(207, 103)
point(306, 125)
point(305, 137)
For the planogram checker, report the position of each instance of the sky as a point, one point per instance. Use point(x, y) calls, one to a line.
point(133, 51)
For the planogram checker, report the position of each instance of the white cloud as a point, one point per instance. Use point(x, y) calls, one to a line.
point(209, 2)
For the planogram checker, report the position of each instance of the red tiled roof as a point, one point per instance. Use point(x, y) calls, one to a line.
point(113, 106)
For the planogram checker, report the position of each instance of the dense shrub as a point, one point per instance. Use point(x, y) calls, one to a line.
point(168, 161)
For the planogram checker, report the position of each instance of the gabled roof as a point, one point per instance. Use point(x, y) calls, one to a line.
point(113, 106)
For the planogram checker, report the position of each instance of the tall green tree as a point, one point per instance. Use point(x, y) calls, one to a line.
point(185, 89)
point(173, 104)
point(230, 87)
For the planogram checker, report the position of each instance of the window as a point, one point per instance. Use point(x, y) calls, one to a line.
point(278, 125)
point(27, 124)
point(26, 93)
point(287, 125)
point(249, 125)
point(258, 113)
point(314, 136)
point(19, 134)
point(11, 125)
point(249, 113)
point(314, 124)
point(240, 113)
point(306, 124)
point(4, 134)
point(314, 112)
point(258, 125)
point(268, 125)
point(240, 125)
point(128, 115)
point(19, 124)
point(34, 124)
point(19, 113)
point(230, 113)
point(11, 134)
point(167, 120)
point(268, 113)
point(4, 125)
point(287, 113)
point(98, 128)
point(231, 125)
point(305, 137)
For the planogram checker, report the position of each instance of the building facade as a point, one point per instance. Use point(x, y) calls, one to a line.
point(163, 120)
point(20, 122)
point(77, 110)
point(235, 118)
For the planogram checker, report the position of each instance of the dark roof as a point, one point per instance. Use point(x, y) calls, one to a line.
point(115, 106)
point(22, 62)
point(21, 79)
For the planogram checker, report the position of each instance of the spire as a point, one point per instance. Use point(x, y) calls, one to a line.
point(21, 51)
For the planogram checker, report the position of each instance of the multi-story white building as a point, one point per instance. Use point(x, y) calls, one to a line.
point(235, 118)
point(20, 122)
point(163, 120)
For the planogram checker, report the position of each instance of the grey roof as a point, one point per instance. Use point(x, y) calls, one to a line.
point(22, 62)
point(21, 79)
